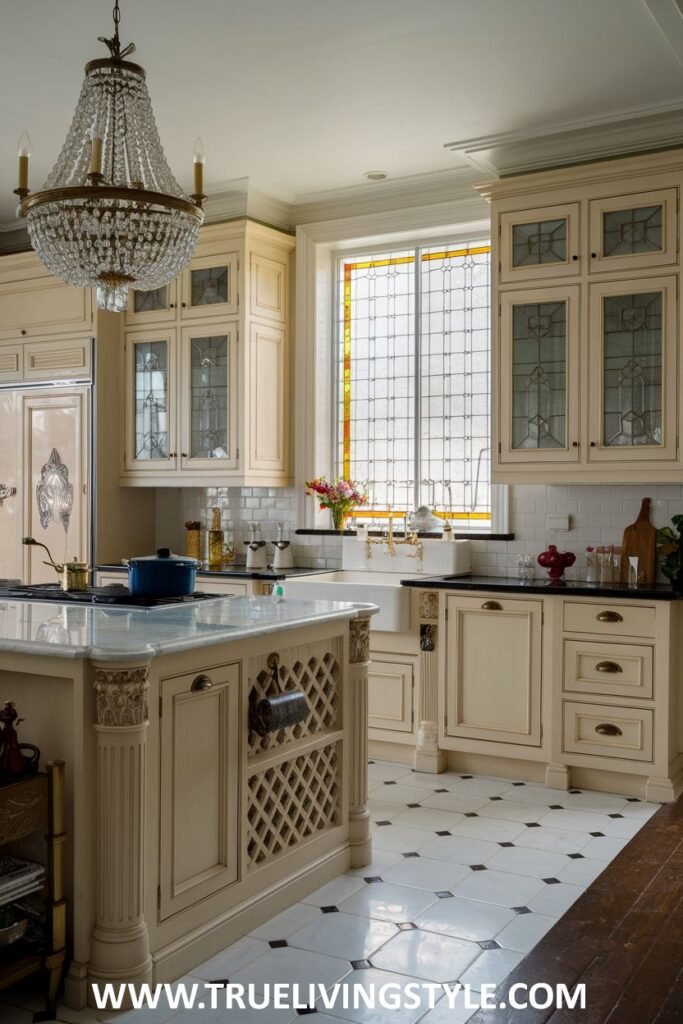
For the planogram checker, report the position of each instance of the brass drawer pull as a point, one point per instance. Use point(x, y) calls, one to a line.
point(607, 729)
point(608, 666)
point(201, 683)
point(492, 606)
point(609, 617)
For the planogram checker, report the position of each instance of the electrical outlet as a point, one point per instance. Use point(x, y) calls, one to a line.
point(558, 523)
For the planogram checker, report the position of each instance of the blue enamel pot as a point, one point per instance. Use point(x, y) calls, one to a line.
point(162, 575)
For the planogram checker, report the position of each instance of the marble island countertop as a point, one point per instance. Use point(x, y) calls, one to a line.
point(122, 634)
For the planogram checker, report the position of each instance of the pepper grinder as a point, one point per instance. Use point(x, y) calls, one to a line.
point(282, 557)
point(257, 555)
point(215, 559)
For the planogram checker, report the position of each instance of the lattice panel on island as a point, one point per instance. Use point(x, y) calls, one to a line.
point(292, 801)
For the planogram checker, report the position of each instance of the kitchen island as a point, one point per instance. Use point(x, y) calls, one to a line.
point(187, 826)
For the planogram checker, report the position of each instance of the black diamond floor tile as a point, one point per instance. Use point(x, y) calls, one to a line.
point(506, 844)
point(477, 867)
point(411, 853)
point(382, 823)
point(489, 944)
point(372, 878)
point(407, 926)
point(360, 965)
point(330, 910)
point(551, 881)
point(521, 910)
point(277, 943)
point(444, 894)
point(443, 832)
point(575, 856)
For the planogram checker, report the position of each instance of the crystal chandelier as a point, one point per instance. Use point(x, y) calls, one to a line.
point(111, 215)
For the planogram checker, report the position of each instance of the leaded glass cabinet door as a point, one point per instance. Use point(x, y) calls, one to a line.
point(633, 232)
point(632, 370)
point(209, 397)
point(539, 244)
point(538, 376)
point(153, 307)
point(150, 401)
point(209, 287)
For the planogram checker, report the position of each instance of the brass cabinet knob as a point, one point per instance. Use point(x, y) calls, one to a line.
point(608, 666)
point(607, 729)
point(609, 617)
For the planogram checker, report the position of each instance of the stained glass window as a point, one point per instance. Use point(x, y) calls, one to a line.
point(414, 379)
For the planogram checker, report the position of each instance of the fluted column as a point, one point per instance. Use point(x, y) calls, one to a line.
point(119, 947)
point(428, 757)
point(359, 815)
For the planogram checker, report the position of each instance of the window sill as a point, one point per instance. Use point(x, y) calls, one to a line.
point(478, 535)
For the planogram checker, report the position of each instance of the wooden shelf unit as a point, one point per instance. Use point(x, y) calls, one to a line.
point(26, 806)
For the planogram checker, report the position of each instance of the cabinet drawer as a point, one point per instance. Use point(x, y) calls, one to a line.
point(609, 619)
point(619, 669)
point(608, 731)
point(11, 362)
point(55, 360)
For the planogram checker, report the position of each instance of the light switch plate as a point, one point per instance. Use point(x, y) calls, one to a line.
point(557, 522)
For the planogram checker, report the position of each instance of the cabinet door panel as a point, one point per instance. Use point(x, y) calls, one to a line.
point(55, 431)
point(493, 669)
point(199, 787)
point(153, 307)
point(632, 352)
point(633, 232)
point(208, 397)
point(268, 375)
point(390, 694)
point(150, 389)
point(42, 305)
point(209, 287)
point(539, 374)
point(539, 244)
point(268, 289)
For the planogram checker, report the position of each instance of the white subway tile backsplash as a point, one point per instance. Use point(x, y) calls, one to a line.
point(598, 513)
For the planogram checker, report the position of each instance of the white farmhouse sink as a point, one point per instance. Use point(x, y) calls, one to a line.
point(381, 588)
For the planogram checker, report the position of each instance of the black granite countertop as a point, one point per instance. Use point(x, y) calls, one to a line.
point(236, 572)
point(568, 588)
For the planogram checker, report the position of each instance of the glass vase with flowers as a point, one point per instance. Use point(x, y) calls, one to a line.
point(341, 497)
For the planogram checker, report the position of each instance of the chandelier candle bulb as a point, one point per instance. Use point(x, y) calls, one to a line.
point(199, 160)
point(24, 154)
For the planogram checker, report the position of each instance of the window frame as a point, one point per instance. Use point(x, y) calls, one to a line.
point(499, 493)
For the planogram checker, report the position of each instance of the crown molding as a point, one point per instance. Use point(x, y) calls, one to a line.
point(633, 130)
point(391, 195)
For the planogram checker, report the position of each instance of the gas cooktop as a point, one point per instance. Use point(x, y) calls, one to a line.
point(114, 593)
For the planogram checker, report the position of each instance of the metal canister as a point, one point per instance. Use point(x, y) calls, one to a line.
point(75, 575)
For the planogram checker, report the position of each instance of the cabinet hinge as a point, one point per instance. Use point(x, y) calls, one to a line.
point(237, 453)
point(161, 707)
point(158, 897)
point(500, 447)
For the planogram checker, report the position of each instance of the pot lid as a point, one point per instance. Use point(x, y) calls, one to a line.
point(164, 555)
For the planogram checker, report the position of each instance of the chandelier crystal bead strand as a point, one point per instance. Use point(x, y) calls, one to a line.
point(111, 215)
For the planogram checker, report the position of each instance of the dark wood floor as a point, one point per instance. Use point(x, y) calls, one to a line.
point(623, 939)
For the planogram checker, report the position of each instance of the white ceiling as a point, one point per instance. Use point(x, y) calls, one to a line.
point(303, 96)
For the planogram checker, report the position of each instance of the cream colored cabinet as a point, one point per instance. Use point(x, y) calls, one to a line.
point(492, 670)
point(633, 232)
point(632, 371)
point(391, 684)
point(33, 303)
point(586, 332)
point(199, 772)
point(539, 244)
point(207, 367)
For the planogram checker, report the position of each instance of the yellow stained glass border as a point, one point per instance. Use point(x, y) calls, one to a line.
point(389, 261)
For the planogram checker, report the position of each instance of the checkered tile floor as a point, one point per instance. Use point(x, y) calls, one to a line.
point(468, 873)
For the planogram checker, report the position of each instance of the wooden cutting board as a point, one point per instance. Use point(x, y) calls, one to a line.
point(639, 540)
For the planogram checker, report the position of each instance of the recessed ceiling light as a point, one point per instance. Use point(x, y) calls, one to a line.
point(375, 175)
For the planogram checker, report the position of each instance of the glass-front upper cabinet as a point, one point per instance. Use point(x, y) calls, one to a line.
point(539, 244)
point(632, 370)
point(156, 306)
point(210, 287)
point(209, 397)
point(539, 376)
point(150, 391)
point(633, 232)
